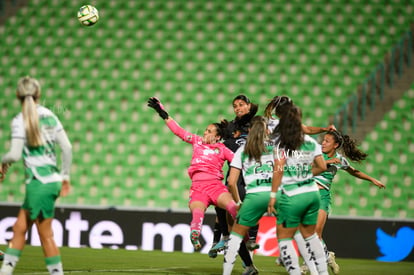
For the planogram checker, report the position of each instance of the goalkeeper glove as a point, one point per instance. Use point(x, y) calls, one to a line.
point(154, 103)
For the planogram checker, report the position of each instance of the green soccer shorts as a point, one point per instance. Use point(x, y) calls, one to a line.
point(298, 209)
point(253, 208)
point(326, 200)
point(40, 199)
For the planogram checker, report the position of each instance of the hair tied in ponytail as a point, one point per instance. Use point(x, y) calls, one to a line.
point(279, 101)
point(338, 136)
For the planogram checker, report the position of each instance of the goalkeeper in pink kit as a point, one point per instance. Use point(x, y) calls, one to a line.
point(205, 170)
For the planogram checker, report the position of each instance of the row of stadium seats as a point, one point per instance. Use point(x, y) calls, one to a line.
point(390, 151)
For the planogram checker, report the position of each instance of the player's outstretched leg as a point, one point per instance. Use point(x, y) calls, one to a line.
point(195, 226)
point(195, 239)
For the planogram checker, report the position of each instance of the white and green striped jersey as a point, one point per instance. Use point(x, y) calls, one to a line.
point(297, 172)
point(40, 161)
point(325, 179)
point(257, 175)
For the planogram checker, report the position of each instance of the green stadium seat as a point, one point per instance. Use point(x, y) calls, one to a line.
point(105, 73)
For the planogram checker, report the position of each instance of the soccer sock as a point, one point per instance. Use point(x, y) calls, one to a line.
point(54, 265)
point(306, 253)
point(230, 253)
point(244, 254)
point(232, 209)
point(11, 257)
point(197, 221)
point(314, 244)
point(216, 232)
point(289, 257)
point(222, 218)
point(325, 249)
point(253, 232)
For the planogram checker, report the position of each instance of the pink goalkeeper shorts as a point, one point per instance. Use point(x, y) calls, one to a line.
point(207, 191)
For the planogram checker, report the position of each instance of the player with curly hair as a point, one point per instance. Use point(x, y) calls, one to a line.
point(334, 141)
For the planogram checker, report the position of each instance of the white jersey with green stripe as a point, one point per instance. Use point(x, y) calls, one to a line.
point(297, 172)
point(40, 161)
point(257, 175)
point(325, 179)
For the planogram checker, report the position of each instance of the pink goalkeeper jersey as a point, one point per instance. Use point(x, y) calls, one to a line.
point(207, 158)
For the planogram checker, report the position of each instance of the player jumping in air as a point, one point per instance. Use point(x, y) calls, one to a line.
point(205, 170)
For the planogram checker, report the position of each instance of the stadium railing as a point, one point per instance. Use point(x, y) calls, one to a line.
point(372, 89)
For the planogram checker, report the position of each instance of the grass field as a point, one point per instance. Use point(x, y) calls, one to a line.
point(106, 261)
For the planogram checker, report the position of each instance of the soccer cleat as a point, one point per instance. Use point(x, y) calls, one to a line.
point(250, 270)
point(304, 269)
point(252, 245)
point(212, 253)
point(194, 236)
point(332, 263)
point(220, 246)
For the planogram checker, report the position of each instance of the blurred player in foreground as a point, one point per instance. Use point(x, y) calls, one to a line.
point(35, 132)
